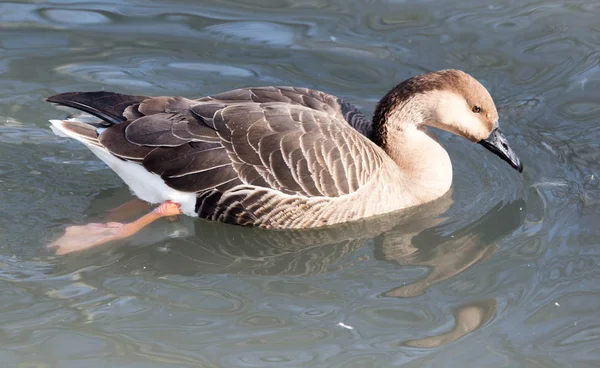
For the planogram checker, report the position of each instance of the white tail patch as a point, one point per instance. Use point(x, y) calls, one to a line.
point(145, 185)
point(58, 128)
point(62, 129)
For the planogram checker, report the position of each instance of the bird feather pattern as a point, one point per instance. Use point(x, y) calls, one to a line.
point(240, 146)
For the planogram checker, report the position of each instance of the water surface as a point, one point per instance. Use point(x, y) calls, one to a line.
point(504, 271)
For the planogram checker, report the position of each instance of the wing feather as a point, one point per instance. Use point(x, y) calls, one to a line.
point(186, 159)
point(294, 140)
point(114, 140)
point(200, 182)
point(154, 131)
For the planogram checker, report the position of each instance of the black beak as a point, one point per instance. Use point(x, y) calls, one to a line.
point(498, 144)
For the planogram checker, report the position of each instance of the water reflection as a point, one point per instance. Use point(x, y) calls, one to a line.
point(422, 238)
point(468, 318)
point(448, 254)
point(415, 237)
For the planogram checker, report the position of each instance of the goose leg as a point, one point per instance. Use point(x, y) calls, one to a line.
point(127, 210)
point(131, 208)
point(78, 238)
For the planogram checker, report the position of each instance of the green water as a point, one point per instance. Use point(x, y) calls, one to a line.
point(504, 271)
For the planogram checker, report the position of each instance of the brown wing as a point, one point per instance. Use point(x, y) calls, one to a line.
point(295, 149)
point(296, 140)
point(290, 139)
point(169, 140)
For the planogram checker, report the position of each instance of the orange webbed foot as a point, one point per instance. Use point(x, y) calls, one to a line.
point(81, 237)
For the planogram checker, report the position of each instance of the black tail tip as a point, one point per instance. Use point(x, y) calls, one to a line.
point(108, 106)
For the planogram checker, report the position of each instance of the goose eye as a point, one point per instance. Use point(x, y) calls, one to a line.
point(476, 109)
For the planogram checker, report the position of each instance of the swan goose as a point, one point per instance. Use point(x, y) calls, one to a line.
point(279, 157)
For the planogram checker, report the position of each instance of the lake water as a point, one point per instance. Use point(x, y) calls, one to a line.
point(504, 271)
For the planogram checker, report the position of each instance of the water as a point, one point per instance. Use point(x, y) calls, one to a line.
point(504, 271)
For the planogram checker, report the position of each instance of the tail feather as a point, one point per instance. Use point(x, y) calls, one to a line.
point(80, 131)
point(108, 106)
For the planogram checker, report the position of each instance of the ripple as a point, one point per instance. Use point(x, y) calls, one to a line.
point(414, 19)
point(389, 317)
point(80, 17)
point(468, 318)
point(256, 32)
point(207, 300)
point(580, 110)
point(264, 321)
point(71, 291)
point(105, 74)
point(258, 359)
point(585, 335)
point(298, 337)
point(213, 68)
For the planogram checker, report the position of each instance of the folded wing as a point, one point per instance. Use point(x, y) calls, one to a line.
point(295, 141)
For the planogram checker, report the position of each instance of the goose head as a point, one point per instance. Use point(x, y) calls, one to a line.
point(450, 100)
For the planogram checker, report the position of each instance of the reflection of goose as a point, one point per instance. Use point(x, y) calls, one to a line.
point(280, 157)
point(449, 255)
point(412, 237)
point(467, 318)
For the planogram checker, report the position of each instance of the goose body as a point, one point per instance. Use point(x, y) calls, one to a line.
point(274, 157)
point(285, 157)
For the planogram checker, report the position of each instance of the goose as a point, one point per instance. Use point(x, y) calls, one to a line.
point(279, 157)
